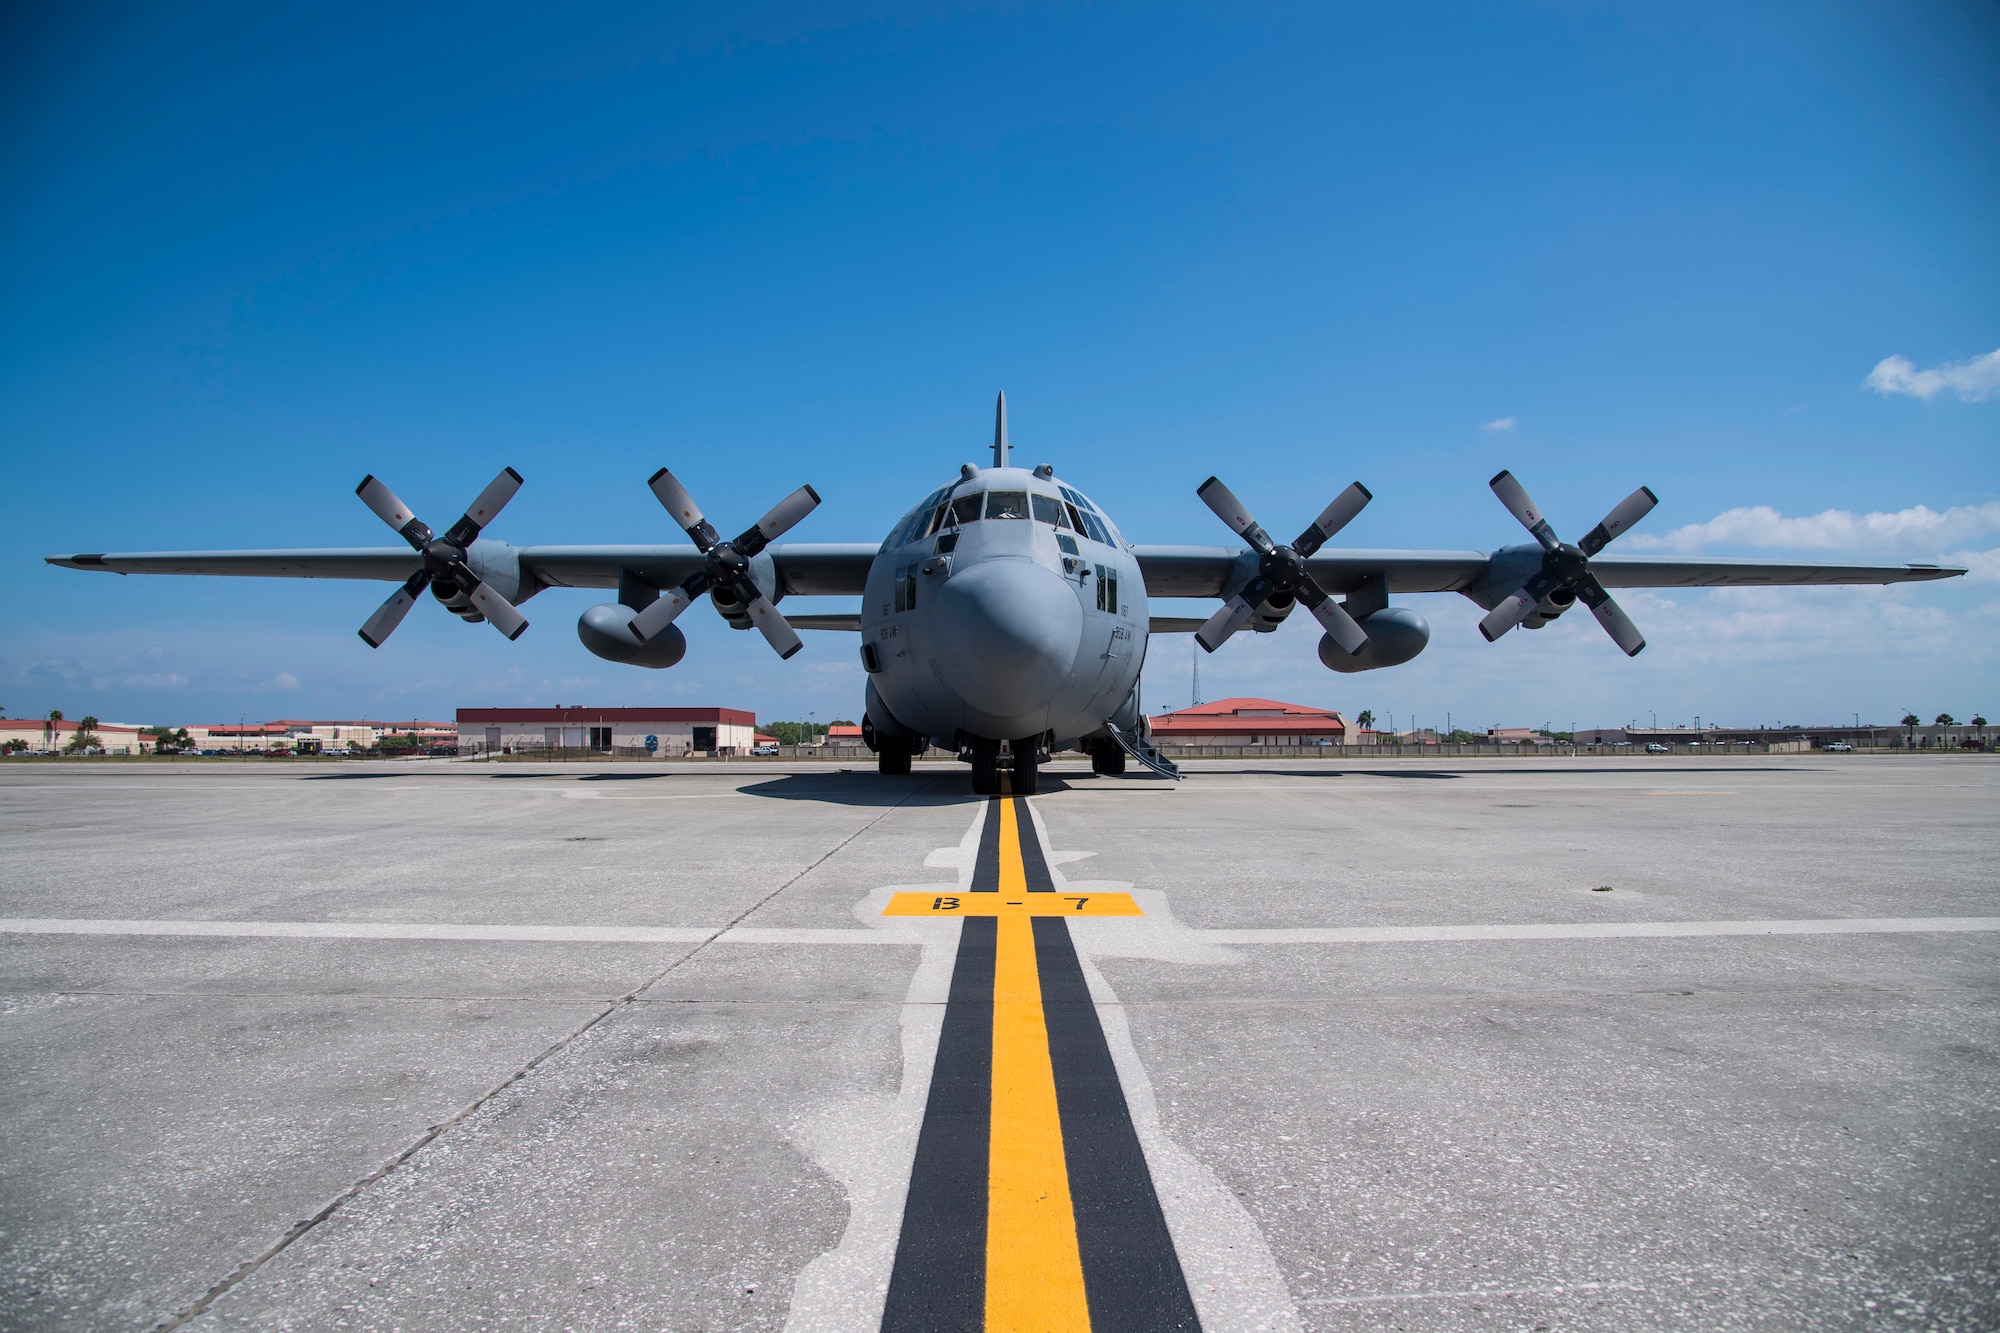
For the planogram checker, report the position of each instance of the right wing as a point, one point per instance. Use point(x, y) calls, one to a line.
point(812, 569)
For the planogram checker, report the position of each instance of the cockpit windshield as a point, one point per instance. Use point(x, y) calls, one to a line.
point(1006, 504)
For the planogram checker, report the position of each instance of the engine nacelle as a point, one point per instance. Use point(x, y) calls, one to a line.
point(607, 631)
point(1395, 635)
point(1273, 612)
point(1557, 602)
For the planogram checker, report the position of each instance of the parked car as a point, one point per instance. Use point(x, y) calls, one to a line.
point(764, 750)
point(1654, 747)
point(1839, 747)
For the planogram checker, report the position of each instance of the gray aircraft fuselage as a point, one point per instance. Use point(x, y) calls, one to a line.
point(1005, 606)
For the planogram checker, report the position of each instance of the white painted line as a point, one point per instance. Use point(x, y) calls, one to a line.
point(361, 930)
point(1599, 930)
point(531, 934)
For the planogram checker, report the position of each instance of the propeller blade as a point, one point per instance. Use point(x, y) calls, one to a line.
point(671, 494)
point(1610, 615)
point(775, 524)
point(776, 630)
point(393, 511)
point(1231, 510)
point(1517, 606)
point(1515, 496)
point(664, 612)
point(390, 614)
point(499, 610)
point(1629, 511)
point(1215, 631)
point(1333, 617)
point(486, 508)
point(1335, 517)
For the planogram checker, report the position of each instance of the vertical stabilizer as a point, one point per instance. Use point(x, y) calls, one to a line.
point(1000, 445)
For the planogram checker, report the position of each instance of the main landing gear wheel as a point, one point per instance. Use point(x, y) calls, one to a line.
point(985, 767)
point(892, 756)
point(1107, 759)
point(1027, 765)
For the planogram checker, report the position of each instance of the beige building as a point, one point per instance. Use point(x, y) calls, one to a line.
point(659, 733)
point(40, 736)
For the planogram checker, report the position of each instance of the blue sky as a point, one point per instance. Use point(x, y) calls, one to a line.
point(251, 254)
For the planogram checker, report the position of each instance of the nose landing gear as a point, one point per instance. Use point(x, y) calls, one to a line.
point(1023, 765)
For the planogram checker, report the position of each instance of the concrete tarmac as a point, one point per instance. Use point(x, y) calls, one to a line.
point(426, 1045)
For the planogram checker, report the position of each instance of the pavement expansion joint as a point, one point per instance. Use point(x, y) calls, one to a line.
point(434, 1132)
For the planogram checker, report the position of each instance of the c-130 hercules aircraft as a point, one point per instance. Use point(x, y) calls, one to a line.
point(1005, 612)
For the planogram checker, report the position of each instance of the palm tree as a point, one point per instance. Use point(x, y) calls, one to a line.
point(1912, 721)
point(53, 729)
point(1947, 722)
point(85, 738)
point(1365, 718)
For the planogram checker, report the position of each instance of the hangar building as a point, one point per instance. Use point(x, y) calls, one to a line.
point(1255, 722)
point(637, 733)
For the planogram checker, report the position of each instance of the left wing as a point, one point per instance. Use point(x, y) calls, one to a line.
point(1214, 571)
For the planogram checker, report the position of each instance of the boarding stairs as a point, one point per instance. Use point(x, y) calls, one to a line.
point(1140, 746)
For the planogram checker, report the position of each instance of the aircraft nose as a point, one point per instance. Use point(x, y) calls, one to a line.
point(1008, 632)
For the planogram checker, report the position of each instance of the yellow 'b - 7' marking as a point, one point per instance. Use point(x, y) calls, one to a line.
point(1012, 904)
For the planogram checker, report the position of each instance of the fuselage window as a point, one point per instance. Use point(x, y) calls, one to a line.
point(906, 588)
point(1006, 504)
point(1067, 542)
point(1076, 520)
point(965, 509)
point(1107, 590)
point(947, 542)
point(937, 519)
point(1048, 509)
point(1094, 525)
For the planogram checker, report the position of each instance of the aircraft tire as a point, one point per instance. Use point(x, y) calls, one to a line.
point(1107, 759)
point(1027, 766)
point(892, 756)
point(985, 767)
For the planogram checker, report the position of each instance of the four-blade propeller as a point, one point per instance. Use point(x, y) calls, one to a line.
point(1281, 570)
point(444, 557)
point(1565, 571)
point(727, 570)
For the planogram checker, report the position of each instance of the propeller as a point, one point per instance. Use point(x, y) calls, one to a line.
point(1281, 570)
point(444, 557)
point(728, 564)
point(1566, 568)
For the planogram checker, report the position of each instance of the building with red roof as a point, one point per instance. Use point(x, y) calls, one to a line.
point(1267, 722)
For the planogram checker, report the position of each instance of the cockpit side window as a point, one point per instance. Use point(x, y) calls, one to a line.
point(1048, 509)
point(1006, 504)
point(965, 509)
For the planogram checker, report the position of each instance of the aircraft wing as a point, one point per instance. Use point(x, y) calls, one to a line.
point(1631, 571)
point(806, 569)
point(1211, 571)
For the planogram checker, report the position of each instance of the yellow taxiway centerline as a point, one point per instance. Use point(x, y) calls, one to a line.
point(1034, 1274)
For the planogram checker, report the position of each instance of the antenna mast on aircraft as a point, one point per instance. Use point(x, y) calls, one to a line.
point(1000, 446)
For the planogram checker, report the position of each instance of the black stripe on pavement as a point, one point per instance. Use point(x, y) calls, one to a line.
point(1034, 865)
point(1131, 1275)
point(939, 1282)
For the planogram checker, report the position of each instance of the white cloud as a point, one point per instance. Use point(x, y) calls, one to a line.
point(1498, 423)
point(1973, 381)
point(158, 680)
point(284, 680)
point(1919, 528)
